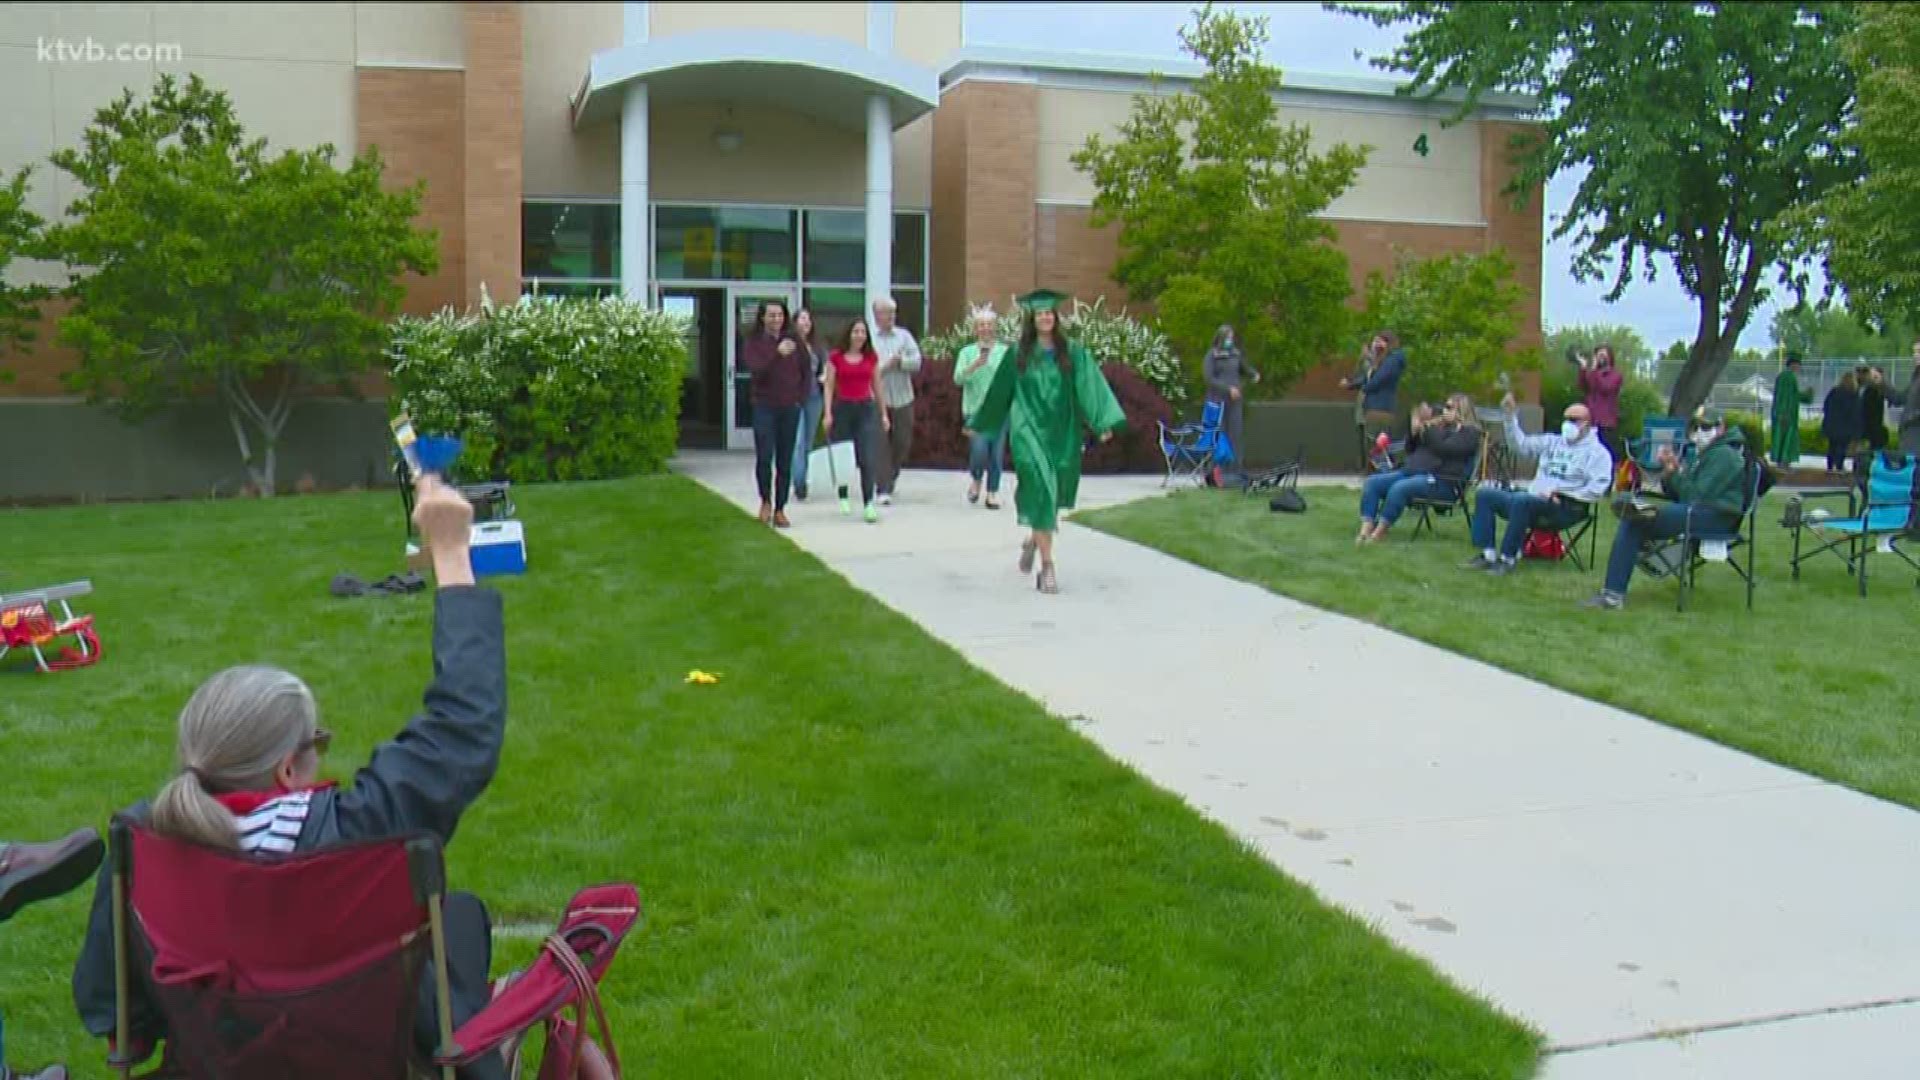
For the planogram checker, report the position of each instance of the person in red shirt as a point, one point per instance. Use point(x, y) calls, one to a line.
point(782, 368)
point(1600, 381)
point(851, 415)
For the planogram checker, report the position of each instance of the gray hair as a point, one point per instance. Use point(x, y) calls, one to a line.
point(885, 303)
point(234, 733)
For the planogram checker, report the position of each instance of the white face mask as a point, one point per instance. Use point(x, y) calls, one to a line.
point(1704, 437)
point(1570, 431)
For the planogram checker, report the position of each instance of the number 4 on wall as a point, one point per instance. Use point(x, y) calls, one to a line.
point(1420, 145)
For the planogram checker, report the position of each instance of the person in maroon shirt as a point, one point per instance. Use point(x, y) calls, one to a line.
point(851, 415)
point(1600, 381)
point(781, 368)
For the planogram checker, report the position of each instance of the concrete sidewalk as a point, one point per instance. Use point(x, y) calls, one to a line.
point(1660, 906)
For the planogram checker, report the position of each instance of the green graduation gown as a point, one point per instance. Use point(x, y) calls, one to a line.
point(1784, 446)
point(1046, 410)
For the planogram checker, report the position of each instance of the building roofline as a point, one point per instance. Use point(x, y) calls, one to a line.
point(996, 62)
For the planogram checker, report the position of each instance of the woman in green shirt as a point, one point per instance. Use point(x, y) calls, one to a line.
point(973, 373)
point(1044, 394)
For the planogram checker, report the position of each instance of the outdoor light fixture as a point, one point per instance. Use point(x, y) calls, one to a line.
point(726, 137)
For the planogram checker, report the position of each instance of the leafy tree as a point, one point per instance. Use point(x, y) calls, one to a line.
point(1834, 332)
point(1866, 229)
point(1699, 127)
point(1216, 201)
point(19, 233)
point(1458, 315)
point(1630, 350)
point(204, 265)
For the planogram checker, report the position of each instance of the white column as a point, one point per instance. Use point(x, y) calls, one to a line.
point(635, 213)
point(879, 198)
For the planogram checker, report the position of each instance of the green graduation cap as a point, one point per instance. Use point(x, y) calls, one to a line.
point(1042, 300)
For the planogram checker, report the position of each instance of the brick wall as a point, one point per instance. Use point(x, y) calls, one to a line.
point(492, 128)
point(983, 195)
point(415, 119)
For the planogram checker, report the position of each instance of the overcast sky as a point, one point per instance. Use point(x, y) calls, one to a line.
point(1302, 37)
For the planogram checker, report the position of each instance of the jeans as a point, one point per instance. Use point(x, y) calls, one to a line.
point(896, 446)
point(1668, 523)
point(1384, 496)
point(853, 421)
point(803, 439)
point(773, 431)
point(1523, 511)
point(987, 455)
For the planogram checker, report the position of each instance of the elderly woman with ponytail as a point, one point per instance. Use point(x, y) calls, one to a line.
point(247, 777)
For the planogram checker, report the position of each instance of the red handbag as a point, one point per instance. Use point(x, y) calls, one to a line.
point(1544, 544)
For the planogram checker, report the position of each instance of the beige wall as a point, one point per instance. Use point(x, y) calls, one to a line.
point(560, 40)
point(784, 157)
point(1396, 185)
point(926, 33)
point(429, 35)
point(847, 21)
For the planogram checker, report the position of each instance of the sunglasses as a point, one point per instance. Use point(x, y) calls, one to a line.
point(318, 742)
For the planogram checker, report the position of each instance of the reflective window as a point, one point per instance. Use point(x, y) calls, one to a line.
point(570, 240)
point(725, 243)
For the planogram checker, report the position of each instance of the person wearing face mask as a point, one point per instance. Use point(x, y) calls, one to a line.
point(1706, 492)
point(1226, 366)
point(1575, 472)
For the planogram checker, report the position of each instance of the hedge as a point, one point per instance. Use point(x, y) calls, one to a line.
point(939, 441)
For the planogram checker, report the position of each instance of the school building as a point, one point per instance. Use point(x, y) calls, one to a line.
point(702, 156)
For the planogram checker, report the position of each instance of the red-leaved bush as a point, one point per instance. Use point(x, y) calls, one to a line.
point(939, 441)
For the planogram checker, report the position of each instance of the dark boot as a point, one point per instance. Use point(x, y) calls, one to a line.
point(30, 872)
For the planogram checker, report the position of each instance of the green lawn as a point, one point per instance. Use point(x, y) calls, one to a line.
point(860, 856)
point(1814, 677)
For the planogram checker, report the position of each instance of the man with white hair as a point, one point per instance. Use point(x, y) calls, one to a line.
point(899, 360)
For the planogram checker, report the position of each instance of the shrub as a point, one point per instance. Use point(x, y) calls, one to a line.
point(1755, 429)
point(1813, 440)
point(546, 389)
point(1109, 336)
point(939, 441)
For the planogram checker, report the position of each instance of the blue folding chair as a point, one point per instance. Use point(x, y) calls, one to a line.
point(1194, 448)
point(1880, 512)
point(1657, 433)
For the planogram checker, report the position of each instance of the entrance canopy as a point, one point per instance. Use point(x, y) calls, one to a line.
point(825, 78)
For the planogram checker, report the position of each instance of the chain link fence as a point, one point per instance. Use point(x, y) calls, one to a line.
point(1747, 385)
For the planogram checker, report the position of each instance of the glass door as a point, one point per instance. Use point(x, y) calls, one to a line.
point(744, 303)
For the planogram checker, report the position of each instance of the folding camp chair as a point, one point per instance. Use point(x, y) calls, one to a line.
point(1880, 513)
point(1581, 531)
point(1192, 449)
point(312, 965)
point(1708, 541)
point(27, 621)
point(1657, 433)
point(1286, 474)
point(1449, 500)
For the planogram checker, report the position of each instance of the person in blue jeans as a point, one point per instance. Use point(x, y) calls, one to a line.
point(1707, 491)
point(1440, 453)
point(1575, 472)
point(31, 872)
point(973, 371)
point(816, 400)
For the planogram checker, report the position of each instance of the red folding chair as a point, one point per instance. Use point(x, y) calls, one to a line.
point(310, 965)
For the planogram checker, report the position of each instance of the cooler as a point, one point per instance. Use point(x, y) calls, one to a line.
point(498, 547)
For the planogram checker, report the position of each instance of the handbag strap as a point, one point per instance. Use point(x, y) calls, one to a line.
point(583, 980)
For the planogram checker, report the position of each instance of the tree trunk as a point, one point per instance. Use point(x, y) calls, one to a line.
point(1705, 361)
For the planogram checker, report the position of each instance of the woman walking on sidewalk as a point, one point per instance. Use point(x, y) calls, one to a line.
point(973, 372)
point(1045, 396)
point(781, 369)
point(816, 402)
point(851, 411)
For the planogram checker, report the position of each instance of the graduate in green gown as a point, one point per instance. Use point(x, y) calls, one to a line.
point(1784, 446)
point(1047, 391)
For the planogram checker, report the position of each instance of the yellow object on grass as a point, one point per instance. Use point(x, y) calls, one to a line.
point(702, 678)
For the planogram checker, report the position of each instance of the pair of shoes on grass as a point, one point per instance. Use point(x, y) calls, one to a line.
point(346, 585)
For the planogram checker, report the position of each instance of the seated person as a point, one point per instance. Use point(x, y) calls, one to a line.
point(1575, 471)
point(30, 872)
point(1439, 452)
point(249, 762)
point(1708, 488)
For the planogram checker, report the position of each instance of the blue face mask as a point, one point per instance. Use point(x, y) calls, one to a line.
point(1570, 431)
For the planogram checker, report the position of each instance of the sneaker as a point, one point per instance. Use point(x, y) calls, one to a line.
point(800, 492)
point(873, 513)
point(1603, 601)
point(886, 499)
point(1478, 562)
point(1501, 568)
point(846, 505)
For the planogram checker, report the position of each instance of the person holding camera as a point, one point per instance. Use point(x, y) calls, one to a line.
point(1440, 453)
point(1600, 383)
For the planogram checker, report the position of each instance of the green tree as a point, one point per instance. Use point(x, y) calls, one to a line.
point(19, 236)
point(1829, 332)
point(1216, 201)
point(203, 265)
point(1865, 230)
point(1698, 128)
point(1459, 315)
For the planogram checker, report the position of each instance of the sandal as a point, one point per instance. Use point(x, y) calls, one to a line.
point(1027, 550)
point(1046, 582)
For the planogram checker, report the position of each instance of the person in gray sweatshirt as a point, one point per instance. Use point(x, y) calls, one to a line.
point(1574, 474)
point(1226, 368)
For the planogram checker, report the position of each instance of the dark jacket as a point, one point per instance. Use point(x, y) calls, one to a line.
point(1445, 452)
point(1714, 477)
point(779, 382)
point(1840, 416)
point(1224, 368)
point(420, 781)
point(1873, 416)
point(1910, 412)
point(1379, 390)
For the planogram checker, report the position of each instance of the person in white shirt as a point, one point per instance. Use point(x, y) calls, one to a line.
point(899, 360)
point(1574, 474)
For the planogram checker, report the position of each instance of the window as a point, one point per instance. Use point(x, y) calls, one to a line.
point(909, 250)
point(833, 311)
point(837, 247)
point(725, 243)
point(570, 240)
